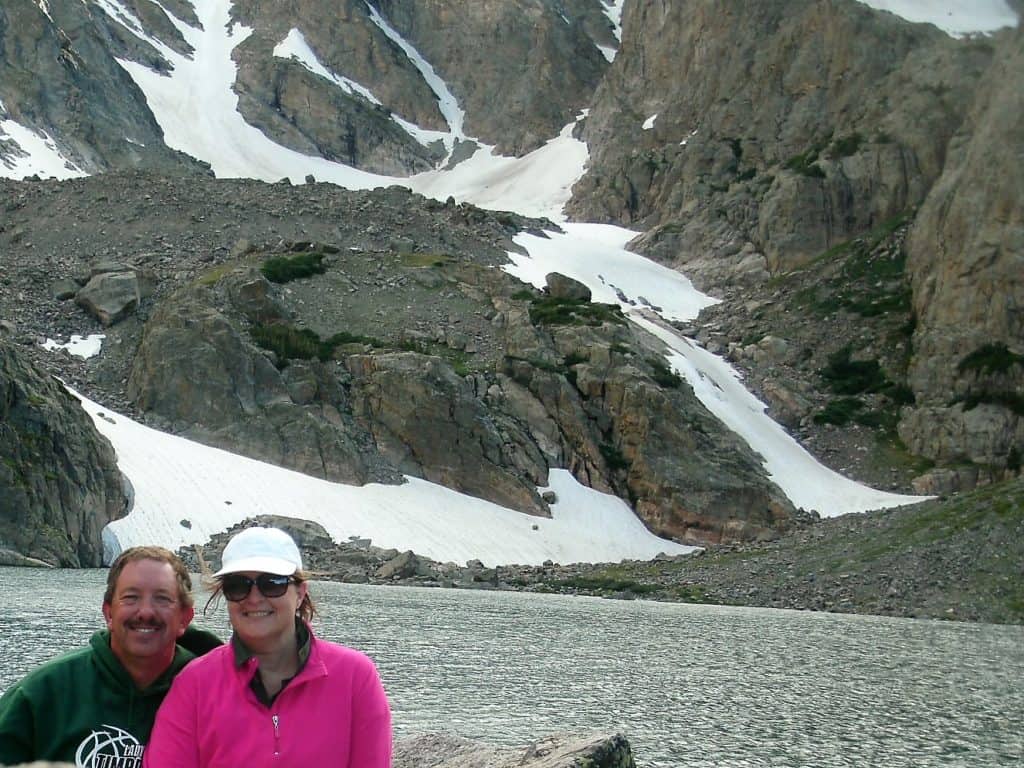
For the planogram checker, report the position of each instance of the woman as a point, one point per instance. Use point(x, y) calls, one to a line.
point(276, 695)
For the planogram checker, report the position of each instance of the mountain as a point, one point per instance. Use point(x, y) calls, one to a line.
point(845, 181)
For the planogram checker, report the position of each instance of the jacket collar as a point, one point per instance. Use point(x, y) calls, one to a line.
point(113, 672)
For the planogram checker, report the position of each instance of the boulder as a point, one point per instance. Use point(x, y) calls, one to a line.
point(112, 296)
point(556, 751)
point(59, 481)
point(561, 287)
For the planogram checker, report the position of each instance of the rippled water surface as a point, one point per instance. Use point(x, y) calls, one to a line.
point(689, 685)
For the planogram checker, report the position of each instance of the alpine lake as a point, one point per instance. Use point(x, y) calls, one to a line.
point(688, 685)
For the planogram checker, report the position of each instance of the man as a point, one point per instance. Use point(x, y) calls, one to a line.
point(94, 707)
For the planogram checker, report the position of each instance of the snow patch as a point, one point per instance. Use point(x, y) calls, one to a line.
point(79, 346)
point(25, 152)
point(447, 103)
point(956, 18)
point(295, 46)
point(185, 492)
point(613, 10)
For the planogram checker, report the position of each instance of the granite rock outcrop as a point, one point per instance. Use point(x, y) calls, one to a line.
point(59, 481)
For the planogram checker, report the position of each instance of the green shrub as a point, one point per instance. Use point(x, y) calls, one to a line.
point(806, 165)
point(852, 377)
point(605, 584)
point(876, 419)
point(839, 412)
point(847, 145)
point(1010, 400)
point(290, 343)
point(421, 260)
point(284, 269)
point(900, 394)
point(551, 311)
point(1013, 459)
point(613, 457)
point(990, 358)
point(663, 375)
point(344, 337)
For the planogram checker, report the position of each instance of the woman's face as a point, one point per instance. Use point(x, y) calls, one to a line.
point(265, 623)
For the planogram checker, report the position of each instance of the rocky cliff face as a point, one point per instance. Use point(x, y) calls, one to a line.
point(518, 70)
point(781, 129)
point(758, 142)
point(58, 75)
point(59, 480)
point(776, 152)
point(966, 262)
point(427, 361)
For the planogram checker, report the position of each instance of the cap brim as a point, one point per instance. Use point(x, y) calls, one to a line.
point(275, 565)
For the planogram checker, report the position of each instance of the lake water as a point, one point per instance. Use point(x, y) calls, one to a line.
point(689, 685)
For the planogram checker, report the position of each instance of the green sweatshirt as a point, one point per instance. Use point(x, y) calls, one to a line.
point(83, 708)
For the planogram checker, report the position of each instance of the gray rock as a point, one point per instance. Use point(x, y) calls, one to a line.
point(112, 296)
point(65, 289)
point(59, 480)
point(556, 751)
point(562, 287)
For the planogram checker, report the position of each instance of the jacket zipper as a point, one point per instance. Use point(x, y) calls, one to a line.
point(277, 734)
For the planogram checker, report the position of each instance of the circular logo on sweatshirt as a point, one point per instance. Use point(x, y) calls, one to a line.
point(109, 747)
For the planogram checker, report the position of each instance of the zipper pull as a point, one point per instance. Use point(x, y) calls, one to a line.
point(277, 734)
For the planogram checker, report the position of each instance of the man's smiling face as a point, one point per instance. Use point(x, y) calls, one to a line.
point(145, 614)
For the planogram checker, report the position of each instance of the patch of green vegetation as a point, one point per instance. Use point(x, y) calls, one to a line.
point(421, 260)
point(1014, 401)
point(736, 147)
point(575, 359)
point(746, 175)
point(939, 521)
point(551, 311)
point(870, 281)
point(343, 337)
point(524, 294)
point(839, 412)
point(214, 275)
point(604, 584)
point(290, 343)
point(663, 374)
point(542, 365)
point(284, 269)
point(693, 593)
point(991, 358)
point(1013, 459)
point(886, 420)
point(852, 377)
point(900, 394)
point(613, 457)
point(846, 145)
point(806, 162)
point(620, 348)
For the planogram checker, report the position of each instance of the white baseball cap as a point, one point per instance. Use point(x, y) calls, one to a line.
point(263, 550)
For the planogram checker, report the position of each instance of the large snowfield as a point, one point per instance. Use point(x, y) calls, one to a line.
point(184, 491)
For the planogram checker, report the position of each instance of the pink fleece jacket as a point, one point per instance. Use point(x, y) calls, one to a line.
point(334, 712)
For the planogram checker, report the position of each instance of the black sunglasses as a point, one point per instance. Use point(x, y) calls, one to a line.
point(236, 587)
